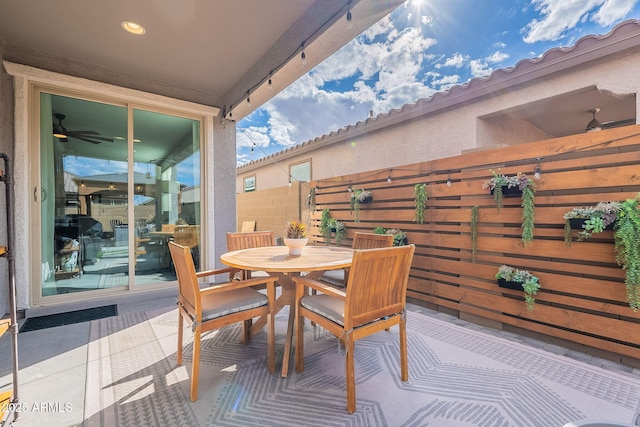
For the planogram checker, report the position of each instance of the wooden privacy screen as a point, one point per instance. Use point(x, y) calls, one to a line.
point(583, 296)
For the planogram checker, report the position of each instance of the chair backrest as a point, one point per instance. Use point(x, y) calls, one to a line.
point(187, 235)
point(168, 228)
point(377, 284)
point(255, 239)
point(248, 226)
point(188, 289)
point(371, 241)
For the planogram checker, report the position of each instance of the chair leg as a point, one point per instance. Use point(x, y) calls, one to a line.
point(271, 343)
point(246, 331)
point(299, 355)
point(351, 377)
point(180, 333)
point(195, 364)
point(404, 362)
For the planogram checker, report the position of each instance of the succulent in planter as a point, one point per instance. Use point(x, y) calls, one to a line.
point(592, 219)
point(359, 196)
point(295, 230)
point(329, 226)
point(399, 236)
point(527, 281)
point(499, 183)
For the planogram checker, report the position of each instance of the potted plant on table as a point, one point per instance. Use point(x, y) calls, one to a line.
point(359, 196)
point(513, 278)
point(590, 220)
point(295, 237)
point(513, 186)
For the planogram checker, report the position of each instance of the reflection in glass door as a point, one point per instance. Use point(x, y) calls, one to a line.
point(167, 191)
point(90, 239)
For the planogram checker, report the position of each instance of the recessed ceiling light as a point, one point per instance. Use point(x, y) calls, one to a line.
point(133, 28)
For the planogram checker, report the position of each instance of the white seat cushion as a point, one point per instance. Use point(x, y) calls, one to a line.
point(334, 277)
point(325, 305)
point(223, 303)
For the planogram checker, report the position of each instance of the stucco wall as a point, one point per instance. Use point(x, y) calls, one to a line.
point(6, 136)
point(272, 208)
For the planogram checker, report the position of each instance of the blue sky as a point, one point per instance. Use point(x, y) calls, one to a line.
point(423, 47)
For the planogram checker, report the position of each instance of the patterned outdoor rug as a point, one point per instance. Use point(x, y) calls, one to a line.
point(458, 377)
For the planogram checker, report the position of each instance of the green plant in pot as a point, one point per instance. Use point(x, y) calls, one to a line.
point(399, 236)
point(591, 219)
point(513, 278)
point(329, 226)
point(525, 187)
point(627, 244)
point(359, 196)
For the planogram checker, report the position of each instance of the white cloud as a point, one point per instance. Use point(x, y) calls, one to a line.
point(557, 17)
point(613, 11)
point(446, 82)
point(479, 68)
point(247, 137)
point(455, 60)
point(497, 57)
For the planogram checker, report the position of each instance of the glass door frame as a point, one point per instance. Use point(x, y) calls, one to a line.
point(35, 211)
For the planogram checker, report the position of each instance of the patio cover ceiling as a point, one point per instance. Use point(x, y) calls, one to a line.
point(209, 52)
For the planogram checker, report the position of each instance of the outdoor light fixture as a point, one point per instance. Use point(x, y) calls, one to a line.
point(270, 83)
point(248, 99)
point(389, 177)
point(133, 28)
point(594, 125)
point(349, 23)
point(303, 56)
point(349, 189)
point(449, 180)
point(536, 174)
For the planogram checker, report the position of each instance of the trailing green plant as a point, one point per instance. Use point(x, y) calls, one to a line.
point(420, 201)
point(474, 231)
point(379, 230)
point(596, 219)
point(329, 226)
point(627, 244)
point(527, 187)
point(359, 196)
point(530, 283)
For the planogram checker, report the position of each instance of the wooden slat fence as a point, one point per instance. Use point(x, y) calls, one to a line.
point(583, 295)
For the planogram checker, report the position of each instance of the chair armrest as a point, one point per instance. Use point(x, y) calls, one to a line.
point(319, 286)
point(207, 273)
point(237, 284)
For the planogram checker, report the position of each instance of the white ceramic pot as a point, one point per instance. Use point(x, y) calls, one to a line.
point(295, 245)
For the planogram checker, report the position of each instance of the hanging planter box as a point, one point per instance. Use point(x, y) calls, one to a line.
point(577, 224)
point(510, 285)
point(510, 191)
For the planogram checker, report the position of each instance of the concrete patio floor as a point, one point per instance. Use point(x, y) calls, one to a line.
point(53, 362)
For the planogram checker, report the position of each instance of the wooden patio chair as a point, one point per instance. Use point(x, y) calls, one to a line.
point(217, 306)
point(246, 240)
point(360, 241)
point(373, 300)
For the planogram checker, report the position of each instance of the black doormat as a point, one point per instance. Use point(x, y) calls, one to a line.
point(68, 318)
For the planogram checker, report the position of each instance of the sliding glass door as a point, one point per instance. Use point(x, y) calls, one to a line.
point(116, 185)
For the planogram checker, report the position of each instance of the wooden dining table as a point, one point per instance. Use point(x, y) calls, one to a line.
point(276, 261)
